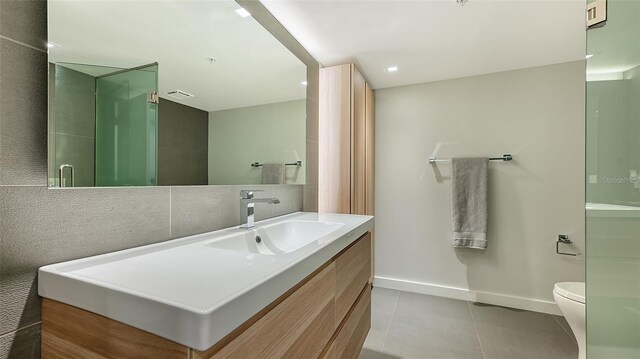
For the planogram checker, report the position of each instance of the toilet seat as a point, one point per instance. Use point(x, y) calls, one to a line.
point(571, 290)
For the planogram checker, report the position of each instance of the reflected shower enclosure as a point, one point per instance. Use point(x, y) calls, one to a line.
point(104, 123)
point(613, 184)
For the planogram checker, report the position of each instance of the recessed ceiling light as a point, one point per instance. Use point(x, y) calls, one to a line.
point(589, 56)
point(304, 83)
point(242, 12)
point(391, 69)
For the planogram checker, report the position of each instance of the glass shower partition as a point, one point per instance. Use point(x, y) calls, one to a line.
point(126, 127)
point(613, 184)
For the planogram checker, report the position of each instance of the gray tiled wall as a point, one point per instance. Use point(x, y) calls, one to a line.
point(39, 226)
point(183, 132)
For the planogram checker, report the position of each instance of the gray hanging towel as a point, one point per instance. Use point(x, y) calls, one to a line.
point(273, 173)
point(469, 201)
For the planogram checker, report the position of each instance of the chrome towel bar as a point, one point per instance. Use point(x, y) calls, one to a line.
point(505, 157)
point(297, 163)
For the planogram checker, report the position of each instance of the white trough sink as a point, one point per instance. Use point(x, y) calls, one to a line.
point(196, 290)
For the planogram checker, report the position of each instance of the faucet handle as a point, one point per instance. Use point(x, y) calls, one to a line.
point(248, 193)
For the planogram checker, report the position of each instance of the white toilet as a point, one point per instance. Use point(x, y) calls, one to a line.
point(570, 298)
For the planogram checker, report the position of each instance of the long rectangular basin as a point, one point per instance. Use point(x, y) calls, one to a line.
point(277, 238)
point(195, 290)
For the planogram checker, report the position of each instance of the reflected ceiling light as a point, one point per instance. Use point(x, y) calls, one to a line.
point(589, 56)
point(304, 83)
point(179, 94)
point(391, 69)
point(51, 45)
point(242, 12)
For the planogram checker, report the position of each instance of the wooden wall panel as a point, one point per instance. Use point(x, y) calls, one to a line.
point(334, 140)
point(370, 165)
point(369, 156)
point(358, 142)
point(69, 332)
point(353, 270)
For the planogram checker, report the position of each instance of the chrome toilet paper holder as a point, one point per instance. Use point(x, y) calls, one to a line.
point(564, 239)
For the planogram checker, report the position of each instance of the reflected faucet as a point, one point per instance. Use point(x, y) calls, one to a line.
point(247, 206)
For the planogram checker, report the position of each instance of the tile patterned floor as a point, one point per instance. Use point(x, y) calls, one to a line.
point(417, 326)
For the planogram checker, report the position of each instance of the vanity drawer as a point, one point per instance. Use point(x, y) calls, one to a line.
point(352, 334)
point(353, 271)
point(298, 327)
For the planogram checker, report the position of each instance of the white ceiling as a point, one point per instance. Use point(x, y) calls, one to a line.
point(433, 40)
point(252, 67)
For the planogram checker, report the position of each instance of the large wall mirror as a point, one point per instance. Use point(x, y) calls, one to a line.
point(173, 92)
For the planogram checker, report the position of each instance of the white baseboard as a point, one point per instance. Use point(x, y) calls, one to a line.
point(504, 300)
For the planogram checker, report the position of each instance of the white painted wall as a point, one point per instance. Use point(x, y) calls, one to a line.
point(266, 133)
point(536, 114)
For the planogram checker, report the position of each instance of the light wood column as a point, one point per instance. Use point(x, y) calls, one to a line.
point(346, 143)
point(334, 157)
point(358, 142)
point(370, 164)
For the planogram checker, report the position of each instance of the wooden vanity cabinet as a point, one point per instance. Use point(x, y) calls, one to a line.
point(327, 315)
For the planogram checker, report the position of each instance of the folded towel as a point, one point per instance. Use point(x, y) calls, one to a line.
point(469, 202)
point(273, 173)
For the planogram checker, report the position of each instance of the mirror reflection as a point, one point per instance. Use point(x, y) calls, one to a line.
point(212, 99)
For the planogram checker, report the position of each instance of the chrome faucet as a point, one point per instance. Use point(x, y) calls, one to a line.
point(247, 206)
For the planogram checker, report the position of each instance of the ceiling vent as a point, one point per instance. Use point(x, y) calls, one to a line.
point(180, 95)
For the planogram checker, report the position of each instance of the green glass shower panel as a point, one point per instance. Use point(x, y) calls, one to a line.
point(613, 184)
point(126, 128)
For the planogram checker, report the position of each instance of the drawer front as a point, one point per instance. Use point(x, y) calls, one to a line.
point(353, 271)
point(331, 353)
point(298, 327)
point(69, 333)
point(353, 333)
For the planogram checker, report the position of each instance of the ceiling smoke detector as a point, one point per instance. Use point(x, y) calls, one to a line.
point(461, 2)
point(180, 95)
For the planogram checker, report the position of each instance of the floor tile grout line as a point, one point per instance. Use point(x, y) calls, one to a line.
point(473, 319)
point(563, 328)
point(386, 333)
